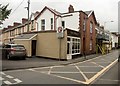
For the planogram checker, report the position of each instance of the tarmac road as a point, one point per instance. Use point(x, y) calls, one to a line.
point(77, 73)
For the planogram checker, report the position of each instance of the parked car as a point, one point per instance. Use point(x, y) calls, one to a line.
point(11, 51)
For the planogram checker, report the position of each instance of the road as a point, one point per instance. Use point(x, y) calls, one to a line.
point(77, 73)
point(110, 77)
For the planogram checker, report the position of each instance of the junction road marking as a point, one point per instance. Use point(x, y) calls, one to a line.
point(98, 65)
point(1, 78)
point(8, 76)
point(81, 73)
point(7, 82)
point(11, 78)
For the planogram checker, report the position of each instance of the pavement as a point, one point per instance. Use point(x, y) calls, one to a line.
point(85, 72)
point(35, 62)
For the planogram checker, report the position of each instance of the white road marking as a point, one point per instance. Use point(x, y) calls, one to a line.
point(82, 73)
point(88, 66)
point(8, 76)
point(101, 72)
point(50, 70)
point(63, 72)
point(17, 80)
point(98, 65)
point(1, 78)
point(7, 82)
point(2, 73)
point(109, 80)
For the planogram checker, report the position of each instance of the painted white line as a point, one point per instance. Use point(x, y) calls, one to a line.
point(98, 65)
point(2, 73)
point(50, 70)
point(62, 77)
point(8, 76)
point(90, 72)
point(1, 78)
point(82, 73)
point(17, 80)
point(101, 72)
point(78, 81)
point(63, 72)
point(7, 82)
point(109, 80)
point(88, 66)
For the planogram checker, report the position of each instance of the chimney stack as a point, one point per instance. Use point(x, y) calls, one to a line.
point(24, 20)
point(70, 9)
point(16, 24)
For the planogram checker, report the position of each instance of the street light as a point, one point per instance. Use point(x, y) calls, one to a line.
point(107, 22)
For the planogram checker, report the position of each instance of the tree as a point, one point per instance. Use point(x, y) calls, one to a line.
point(4, 12)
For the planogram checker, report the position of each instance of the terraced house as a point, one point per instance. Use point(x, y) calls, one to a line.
point(56, 35)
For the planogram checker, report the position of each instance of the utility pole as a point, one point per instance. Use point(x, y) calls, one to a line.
point(28, 9)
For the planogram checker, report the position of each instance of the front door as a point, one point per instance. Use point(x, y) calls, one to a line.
point(34, 47)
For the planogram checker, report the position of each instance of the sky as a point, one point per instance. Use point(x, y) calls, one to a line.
point(105, 10)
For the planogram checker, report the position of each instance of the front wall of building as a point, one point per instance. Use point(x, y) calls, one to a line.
point(89, 36)
point(47, 15)
point(48, 45)
point(26, 43)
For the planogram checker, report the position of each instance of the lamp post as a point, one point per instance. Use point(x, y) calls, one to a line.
point(107, 22)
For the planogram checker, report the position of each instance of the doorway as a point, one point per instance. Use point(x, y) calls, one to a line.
point(33, 47)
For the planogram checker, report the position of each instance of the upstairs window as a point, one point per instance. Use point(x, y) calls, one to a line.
point(84, 25)
point(90, 44)
point(43, 24)
point(32, 25)
point(91, 27)
point(51, 23)
point(63, 24)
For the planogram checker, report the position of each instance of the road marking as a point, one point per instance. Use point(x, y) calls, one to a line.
point(63, 72)
point(78, 81)
point(1, 78)
point(17, 80)
point(98, 65)
point(88, 66)
point(7, 82)
point(50, 70)
point(62, 77)
point(2, 73)
point(82, 73)
point(101, 72)
point(8, 76)
point(109, 80)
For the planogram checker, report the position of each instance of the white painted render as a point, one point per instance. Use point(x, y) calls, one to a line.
point(114, 40)
point(47, 15)
point(72, 22)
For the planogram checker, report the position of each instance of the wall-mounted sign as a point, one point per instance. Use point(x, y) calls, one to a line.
point(60, 32)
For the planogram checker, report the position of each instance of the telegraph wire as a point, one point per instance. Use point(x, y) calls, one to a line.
point(16, 8)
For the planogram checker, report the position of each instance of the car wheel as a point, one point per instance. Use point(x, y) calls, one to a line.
point(8, 57)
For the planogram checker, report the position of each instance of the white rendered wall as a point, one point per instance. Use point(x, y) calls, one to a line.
point(47, 15)
point(72, 22)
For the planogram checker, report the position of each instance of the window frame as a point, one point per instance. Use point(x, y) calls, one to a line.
point(42, 24)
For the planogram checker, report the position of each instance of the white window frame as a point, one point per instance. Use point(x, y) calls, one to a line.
point(91, 27)
point(84, 25)
point(42, 25)
point(78, 45)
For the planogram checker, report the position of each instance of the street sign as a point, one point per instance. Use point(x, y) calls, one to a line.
point(60, 32)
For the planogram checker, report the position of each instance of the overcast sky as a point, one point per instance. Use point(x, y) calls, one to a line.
point(105, 10)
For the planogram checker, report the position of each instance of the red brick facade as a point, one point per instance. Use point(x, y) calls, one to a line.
point(86, 36)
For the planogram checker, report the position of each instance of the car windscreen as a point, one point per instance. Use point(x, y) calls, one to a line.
point(18, 47)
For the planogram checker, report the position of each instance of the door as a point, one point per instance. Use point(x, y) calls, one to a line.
point(69, 54)
point(34, 47)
